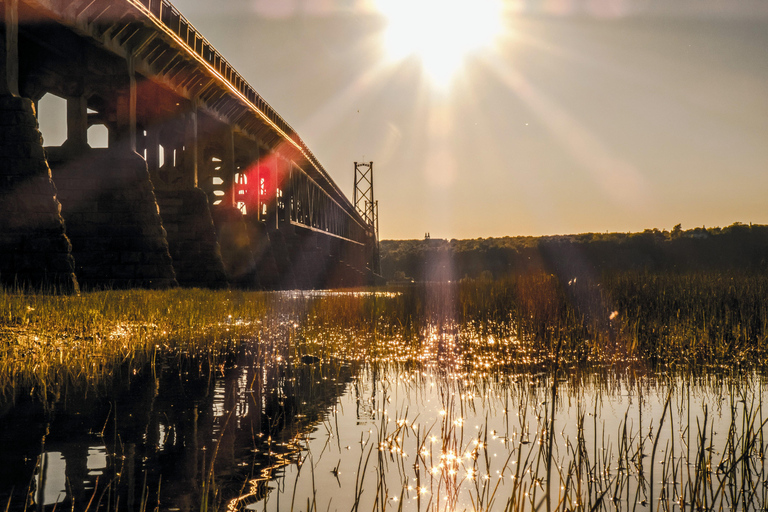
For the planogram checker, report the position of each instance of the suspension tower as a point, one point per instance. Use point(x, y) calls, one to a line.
point(367, 206)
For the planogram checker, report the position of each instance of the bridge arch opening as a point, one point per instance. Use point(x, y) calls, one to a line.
point(167, 155)
point(215, 182)
point(98, 132)
point(241, 191)
point(98, 136)
point(52, 119)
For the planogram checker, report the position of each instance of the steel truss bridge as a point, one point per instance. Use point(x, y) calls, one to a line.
point(202, 182)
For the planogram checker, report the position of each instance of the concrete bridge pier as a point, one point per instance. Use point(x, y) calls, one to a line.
point(299, 253)
point(355, 262)
point(191, 233)
point(34, 247)
point(234, 238)
point(267, 273)
point(337, 269)
point(321, 261)
point(192, 239)
point(107, 196)
point(313, 259)
point(281, 253)
point(102, 201)
point(328, 261)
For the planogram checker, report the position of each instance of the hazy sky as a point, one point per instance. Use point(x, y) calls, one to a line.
point(567, 116)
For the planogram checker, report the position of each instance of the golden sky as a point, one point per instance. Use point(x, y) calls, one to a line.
point(519, 118)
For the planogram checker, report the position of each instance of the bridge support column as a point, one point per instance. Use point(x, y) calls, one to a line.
point(9, 48)
point(235, 242)
point(192, 238)
point(77, 125)
point(125, 111)
point(313, 260)
point(233, 232)
point(228, 169)
point(152, 143)
point(282, 256)
point(35, 249)
point(350, 271)
point(191, 147)
point(267, 275)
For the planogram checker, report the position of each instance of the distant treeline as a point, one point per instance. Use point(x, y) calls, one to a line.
point(736, 247)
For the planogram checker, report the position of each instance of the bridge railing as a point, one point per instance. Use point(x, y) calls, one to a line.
point(171, 18)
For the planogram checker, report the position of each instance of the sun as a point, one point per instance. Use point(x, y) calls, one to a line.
point(440, 33)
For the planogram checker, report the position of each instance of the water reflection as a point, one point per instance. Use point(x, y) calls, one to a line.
point(192, 432)
point(303, 294)
point(439, 422)
point(431, 440)
point(52, 480)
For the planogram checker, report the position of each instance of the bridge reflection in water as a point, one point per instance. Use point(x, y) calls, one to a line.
point(195, 432)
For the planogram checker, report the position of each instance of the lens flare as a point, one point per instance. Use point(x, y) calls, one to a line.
point(440, 33)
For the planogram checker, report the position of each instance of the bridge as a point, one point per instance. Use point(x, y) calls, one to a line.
point(201, 183)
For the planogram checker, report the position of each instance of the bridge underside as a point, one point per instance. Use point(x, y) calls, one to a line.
point(201, 182)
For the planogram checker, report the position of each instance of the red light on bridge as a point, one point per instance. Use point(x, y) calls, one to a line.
point(256, 187)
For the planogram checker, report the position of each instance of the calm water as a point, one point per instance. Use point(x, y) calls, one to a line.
point(437, 428)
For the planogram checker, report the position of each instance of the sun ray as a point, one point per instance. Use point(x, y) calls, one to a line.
point(619, 179)
point(537, 204)
point(346, 100)
point(352, 103)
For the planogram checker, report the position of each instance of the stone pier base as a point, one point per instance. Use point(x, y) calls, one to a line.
point(309, 261)
point(34, 249)
point(113, 222)
point(192, 238)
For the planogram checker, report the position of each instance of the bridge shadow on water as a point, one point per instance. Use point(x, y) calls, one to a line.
point(197, 432)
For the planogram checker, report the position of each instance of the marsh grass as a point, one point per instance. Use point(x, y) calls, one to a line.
point(47, 340)
point(680, 321)
point(663, 321)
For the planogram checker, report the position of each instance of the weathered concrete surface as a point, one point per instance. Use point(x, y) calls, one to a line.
point(235, 243)
point(192, 238)
point(34, 249)
point(109, 205)
point(283, 261)
point(308, 261)
point(267, 273)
